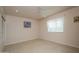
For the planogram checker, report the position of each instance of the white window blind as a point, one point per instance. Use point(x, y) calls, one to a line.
point(55, 25)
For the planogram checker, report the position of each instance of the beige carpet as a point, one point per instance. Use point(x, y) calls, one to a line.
point(39, 46)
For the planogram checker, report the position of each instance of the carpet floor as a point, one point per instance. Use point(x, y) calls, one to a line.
point(39, 46)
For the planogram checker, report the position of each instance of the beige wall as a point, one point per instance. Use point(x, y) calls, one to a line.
point(15, 31)
point(1, 35)
point(1, 30)
point(70, 36)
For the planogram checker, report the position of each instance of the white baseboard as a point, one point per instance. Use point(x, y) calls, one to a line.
point(18, 42)
point(75, 46)
point(47, 40)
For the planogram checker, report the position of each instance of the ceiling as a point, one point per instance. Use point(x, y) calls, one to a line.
point(34, 12)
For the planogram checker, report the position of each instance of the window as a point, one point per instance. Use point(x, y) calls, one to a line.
point(55, 25)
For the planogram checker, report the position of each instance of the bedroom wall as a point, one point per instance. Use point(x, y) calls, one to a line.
point(70, 36)
point(15, 31)
point(1, 30)
point(1, 38)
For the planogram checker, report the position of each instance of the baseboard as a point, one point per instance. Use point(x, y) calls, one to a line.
point(18, 42)
point(44, 39)
point(63, 43)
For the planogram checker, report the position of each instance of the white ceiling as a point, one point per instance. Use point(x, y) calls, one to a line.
point(34, 12)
